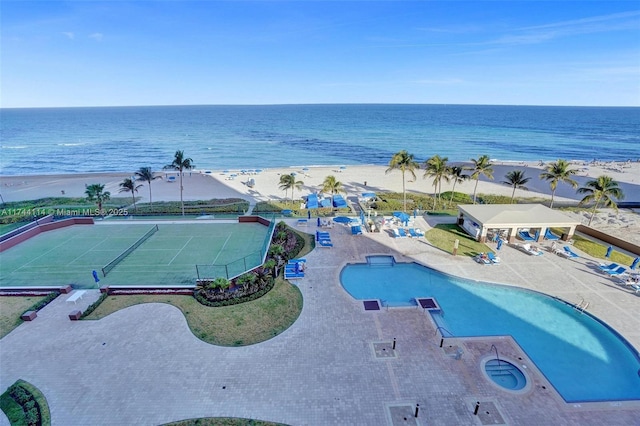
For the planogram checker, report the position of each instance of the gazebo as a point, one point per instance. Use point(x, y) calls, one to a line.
point(488, 221)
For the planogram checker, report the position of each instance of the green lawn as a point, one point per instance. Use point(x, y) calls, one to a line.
point(443, 236)
point(11, 307)
point(237, 325)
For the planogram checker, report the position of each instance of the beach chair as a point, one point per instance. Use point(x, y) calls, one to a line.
point(413, 233)
point(356, 230)
point(482, 259)
point(525, 236)
point(548, 235)
point(618, 271)
point(569, 253)
point(402, 233)
point(493, 258)
point(609, 267)
point(325, 243)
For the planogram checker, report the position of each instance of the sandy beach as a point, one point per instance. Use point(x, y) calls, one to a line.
point(199, 184)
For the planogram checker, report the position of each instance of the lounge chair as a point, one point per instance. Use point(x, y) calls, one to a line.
point(609, 267)
point(526, 236)
point(482, 259)
point(636, 288)
point(570, 253)
point(397, 234)
point(548, 235)
point(493, 258)
point(413, 233)
point(402, 233)
point(618, 271)
point(530, 250)
point(356, 230)
point(325, 243)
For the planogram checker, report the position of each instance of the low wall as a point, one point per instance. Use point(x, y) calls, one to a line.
point(258, 219)
point(10, 234)
point(42, 227)
point(624, 245)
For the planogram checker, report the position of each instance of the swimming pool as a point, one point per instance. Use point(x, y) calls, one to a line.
point(585, 360)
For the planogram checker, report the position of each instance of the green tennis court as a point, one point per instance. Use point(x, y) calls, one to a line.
point(168, 257)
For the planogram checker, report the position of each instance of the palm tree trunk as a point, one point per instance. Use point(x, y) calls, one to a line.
point(513, 194)
point(552, 194)
point(181, 200)
point(452, 192)
point(475, 189)
point(135, 209)
point(150, 202)
point(593, 212)
point(404, 195)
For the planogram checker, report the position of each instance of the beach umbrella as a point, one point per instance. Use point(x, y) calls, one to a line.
point(635, 263)
point(499, 246)
point(609, 250)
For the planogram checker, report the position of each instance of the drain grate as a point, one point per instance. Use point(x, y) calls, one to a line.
point(384, 350)
point(489, 414)
point(402, 415)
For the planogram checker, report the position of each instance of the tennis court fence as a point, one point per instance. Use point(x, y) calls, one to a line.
point(109, 266)
point(240, 266)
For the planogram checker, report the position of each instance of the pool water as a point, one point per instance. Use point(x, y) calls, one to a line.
point(505, 374)
point(583, 358)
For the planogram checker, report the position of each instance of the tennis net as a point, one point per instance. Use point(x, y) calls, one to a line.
point(109, 266)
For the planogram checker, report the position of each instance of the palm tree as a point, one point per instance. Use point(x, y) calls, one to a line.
point(455, 174)
point(289, 182)
point(436, 167)
point(558, 172)
point(95, 192)
point(128, 185)
point(481, 166)
point(602, 190)
point(145, 174)
point(516, 179)
point(180, 164)
point(330, 184)
point(404, 162)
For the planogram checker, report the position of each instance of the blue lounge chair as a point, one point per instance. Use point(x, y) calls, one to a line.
point(322, 236)
point(356, 230)
point(610, 267)
point(550, 235)
point(526, 236)
point(413, 233)
point(493, 258)
point(325, 243)
point(402, 233)
point(569, 252)
point(618, 271)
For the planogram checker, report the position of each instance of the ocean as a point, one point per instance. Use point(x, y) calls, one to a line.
point(123, 139)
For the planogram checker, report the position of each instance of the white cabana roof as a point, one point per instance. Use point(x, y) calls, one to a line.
point(516, 215)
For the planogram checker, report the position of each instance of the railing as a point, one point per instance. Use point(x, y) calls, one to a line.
point(497, 356)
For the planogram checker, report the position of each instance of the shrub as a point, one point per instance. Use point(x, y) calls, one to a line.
point(92, 307)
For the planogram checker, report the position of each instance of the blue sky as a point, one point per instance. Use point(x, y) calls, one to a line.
point(90, 53)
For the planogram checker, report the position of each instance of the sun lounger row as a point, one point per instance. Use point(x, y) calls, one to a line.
point(323, 239)
point(294, 269)
point(529, 249)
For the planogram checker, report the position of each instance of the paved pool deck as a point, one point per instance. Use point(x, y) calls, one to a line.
point(335, 365)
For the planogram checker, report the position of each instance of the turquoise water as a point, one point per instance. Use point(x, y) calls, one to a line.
point(581, 357)
point(122, 139)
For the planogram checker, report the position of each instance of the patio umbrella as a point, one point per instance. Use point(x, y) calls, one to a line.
point(635, 263)
point(499, 246)
point(609, 250)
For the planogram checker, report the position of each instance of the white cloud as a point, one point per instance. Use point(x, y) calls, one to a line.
point(96, 36)
point(69, 35)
